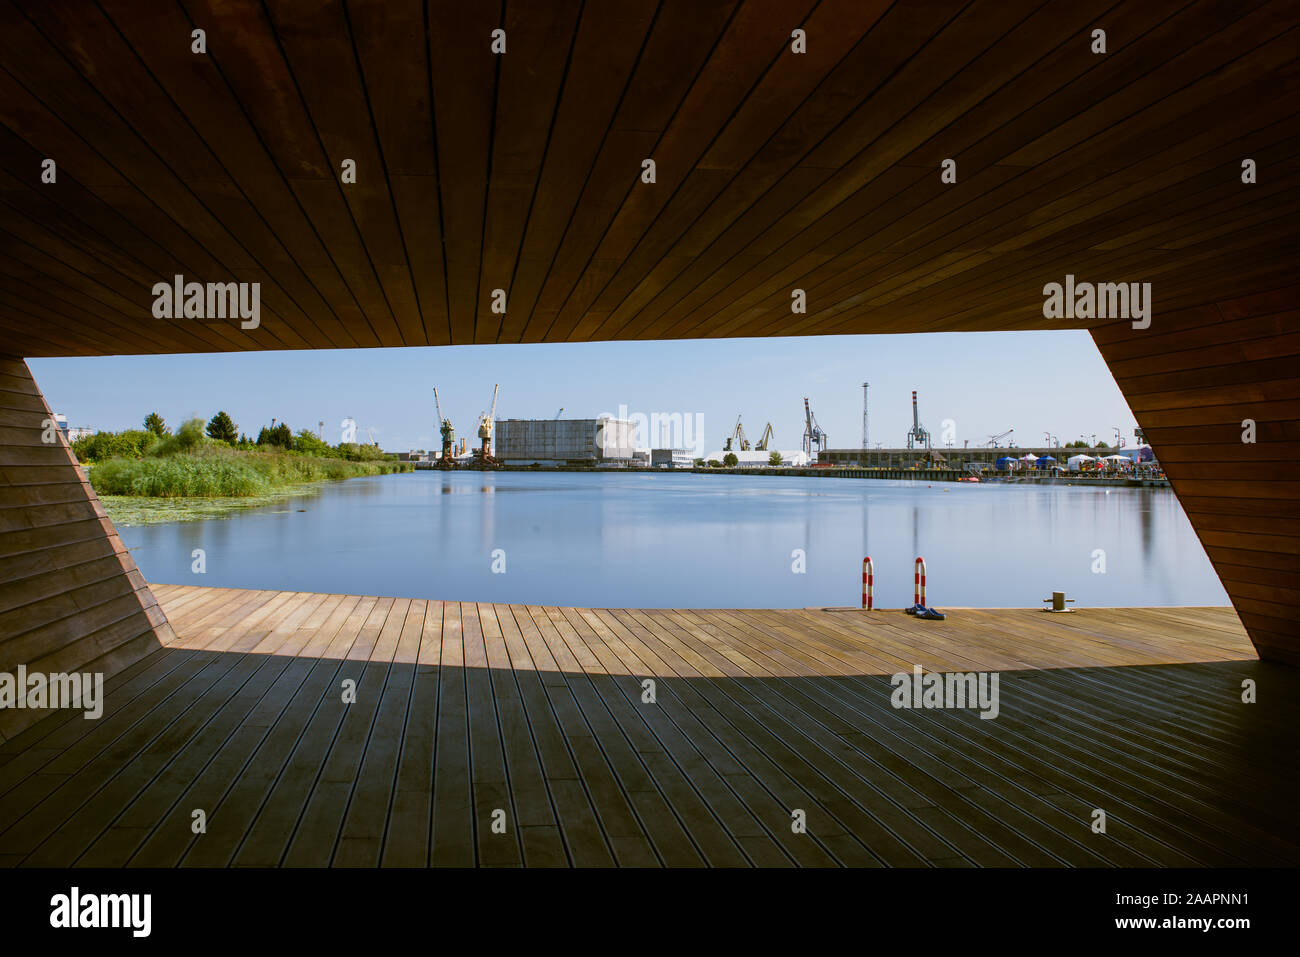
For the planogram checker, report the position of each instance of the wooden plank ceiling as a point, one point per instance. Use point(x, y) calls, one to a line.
point(775, 169)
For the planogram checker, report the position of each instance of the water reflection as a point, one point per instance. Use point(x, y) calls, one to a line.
point(696, 541)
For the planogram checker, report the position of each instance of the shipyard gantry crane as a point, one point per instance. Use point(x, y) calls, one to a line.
point(918, 436)
point(765, 440)
point(814, 439)
point(995, 439)
point(486, 422)
point(447, 459)
point(737, 441)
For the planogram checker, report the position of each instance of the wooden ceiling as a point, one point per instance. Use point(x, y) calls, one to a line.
point(775, 170)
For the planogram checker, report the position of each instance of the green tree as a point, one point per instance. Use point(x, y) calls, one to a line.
point(280, 435)
point(714, 464)
point(774, 458)
point(730, 460)
point(154, 423)
point(309, 443)
point(222, 428)
point(699, 463)
point(1102, 445)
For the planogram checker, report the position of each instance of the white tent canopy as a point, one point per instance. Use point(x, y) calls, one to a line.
point(1074, 461)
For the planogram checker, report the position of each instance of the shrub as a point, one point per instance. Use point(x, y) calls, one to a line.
point(731, 460)
point(309, 443)
point(358, 453)
point(774, 458)
point(188, 437)
point(133, 443)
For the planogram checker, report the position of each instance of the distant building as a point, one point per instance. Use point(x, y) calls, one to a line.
point(671, 458)
point(605, 441)
point(61, 422)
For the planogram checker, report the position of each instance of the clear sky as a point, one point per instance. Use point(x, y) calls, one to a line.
point(985, 382)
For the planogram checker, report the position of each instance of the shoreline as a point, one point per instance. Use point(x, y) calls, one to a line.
point(128, 511)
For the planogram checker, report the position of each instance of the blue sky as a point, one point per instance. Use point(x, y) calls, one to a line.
point(985, 382)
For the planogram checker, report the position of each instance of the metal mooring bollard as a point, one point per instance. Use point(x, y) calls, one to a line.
point(1058, 601)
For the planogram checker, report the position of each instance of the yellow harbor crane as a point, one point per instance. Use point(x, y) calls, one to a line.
point(766, 440)
point(486, 422)
point(737, 442)
point(447, 432)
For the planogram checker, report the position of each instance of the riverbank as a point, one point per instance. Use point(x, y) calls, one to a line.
point(1112, 478)
point(214, 481)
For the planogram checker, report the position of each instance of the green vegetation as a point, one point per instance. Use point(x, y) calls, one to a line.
point(774, 458)
point(110, 445)
point(126, 510)
point(222, 428)
point(276, 435)
point(714, 464)
point(212, 471)
point(153, 475)
point(731, 460)
point(153, 422)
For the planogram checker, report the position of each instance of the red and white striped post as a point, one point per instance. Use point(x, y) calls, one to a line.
point(868, 583)
point(918, 588)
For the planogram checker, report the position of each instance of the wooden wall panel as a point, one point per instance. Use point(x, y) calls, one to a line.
point(71, 597)
point(1192, 379)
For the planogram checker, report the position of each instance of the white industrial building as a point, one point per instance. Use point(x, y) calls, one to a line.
point(762, 459)
point(671, 458)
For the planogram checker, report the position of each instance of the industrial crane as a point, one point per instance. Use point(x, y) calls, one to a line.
point(918, 435)
point(766, 439)
point(485, 425)
point(814, 439)
point(737, 441)
point(560, 413)
point(448, 436)
point(995, 439)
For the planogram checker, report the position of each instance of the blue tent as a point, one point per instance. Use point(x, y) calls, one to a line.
point(1044, 462)
point(1004, 463)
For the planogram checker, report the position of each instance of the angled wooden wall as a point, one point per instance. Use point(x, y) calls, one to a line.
point(71, 598)
point(1192, 379)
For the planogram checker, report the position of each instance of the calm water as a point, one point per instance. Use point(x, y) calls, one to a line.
point(684, 540)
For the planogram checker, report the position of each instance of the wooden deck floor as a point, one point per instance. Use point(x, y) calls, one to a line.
point(464, 710)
